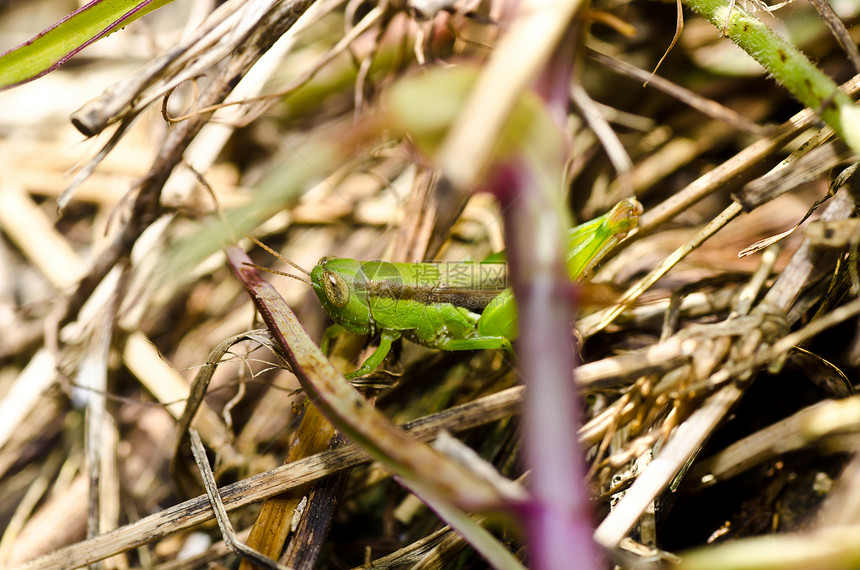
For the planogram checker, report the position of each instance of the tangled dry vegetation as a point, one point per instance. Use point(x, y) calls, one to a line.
point(735, 373)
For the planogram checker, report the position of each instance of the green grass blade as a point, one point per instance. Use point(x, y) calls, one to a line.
point(55, 45)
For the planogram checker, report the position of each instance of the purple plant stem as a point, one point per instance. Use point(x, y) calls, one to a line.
point(558, 520)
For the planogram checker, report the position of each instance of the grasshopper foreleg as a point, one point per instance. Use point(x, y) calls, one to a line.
point(331, 332)
point(375, 359)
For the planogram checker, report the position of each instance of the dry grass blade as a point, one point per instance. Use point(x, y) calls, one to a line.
point(752, 341)
point(268, 484)
point(197, 392)
point(807, 427)
point(230, 537)
point(839, 30)
point(804, 165)
point(730, 169)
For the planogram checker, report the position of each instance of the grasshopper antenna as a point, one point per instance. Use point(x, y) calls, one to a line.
point(282, 258)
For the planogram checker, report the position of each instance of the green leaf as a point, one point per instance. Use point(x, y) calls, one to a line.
point(55, 45)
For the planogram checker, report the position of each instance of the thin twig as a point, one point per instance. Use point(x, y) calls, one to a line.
point(217, 505)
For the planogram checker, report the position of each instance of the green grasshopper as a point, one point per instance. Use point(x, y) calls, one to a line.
point(438, 305)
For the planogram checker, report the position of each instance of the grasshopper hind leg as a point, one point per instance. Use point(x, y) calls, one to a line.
point(479, 343)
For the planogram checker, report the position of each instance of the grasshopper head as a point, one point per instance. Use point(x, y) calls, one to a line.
point(339, 285)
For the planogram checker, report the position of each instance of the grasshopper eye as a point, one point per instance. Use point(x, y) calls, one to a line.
point(335, 288)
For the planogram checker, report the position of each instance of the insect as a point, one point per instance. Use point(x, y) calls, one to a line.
point(448, 306)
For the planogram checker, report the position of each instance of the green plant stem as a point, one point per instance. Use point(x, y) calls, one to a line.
point(791, 68)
